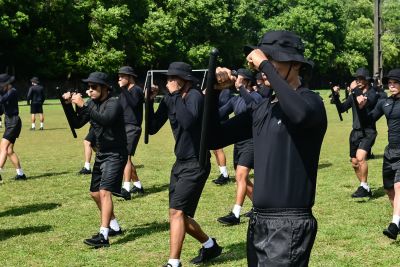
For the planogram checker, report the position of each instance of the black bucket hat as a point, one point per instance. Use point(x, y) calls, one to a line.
point(97, 77)
point(281, 46)
point(6, 79)
point(393, 75)
point(362, 72)
point(247, 74)
point(127, 70)
point(34, 80)
point(182, 70)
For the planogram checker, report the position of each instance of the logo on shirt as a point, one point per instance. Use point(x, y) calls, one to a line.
point(279, 122)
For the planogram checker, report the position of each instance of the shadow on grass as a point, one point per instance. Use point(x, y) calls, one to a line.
point(324, 165)
point(49, 129)
point(49, 174)
point(142, 230)
point(139, 166)
point(231, 253)
point(8, 233)
point(17, 211)
point(377, 156)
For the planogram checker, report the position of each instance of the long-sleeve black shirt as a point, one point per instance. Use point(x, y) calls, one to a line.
point(36, 94)
point(372, 99)
point(10, 101)
point(390, 107)
point(107, 122)
point(237, 104)
point(287, 136)
point(185, 116)
point(132, 103)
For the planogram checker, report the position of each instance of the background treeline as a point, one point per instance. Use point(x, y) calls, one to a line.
point(66, 39)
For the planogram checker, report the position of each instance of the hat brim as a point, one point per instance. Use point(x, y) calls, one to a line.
point(184, 76)
point(367, 78)
point(386, 79)
point(128, 73)
point(277, 55)
point(10, 80)
point(97, 81)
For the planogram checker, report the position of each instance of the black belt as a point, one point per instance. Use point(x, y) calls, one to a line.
point(282, 212)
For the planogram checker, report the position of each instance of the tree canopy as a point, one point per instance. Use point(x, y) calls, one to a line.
point(59, 38)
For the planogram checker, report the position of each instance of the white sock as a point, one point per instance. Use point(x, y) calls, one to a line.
point(20, 171)
point(174, 262)
point(365, 185)
point(127, 186)
point(396, 219)
point(138, 184)
point(223, 171)
point(236, 210)
point(41, 125)
point(104, 231)
point(33, 125)
point(114, 225)
point(209, 243)
point(87, 165)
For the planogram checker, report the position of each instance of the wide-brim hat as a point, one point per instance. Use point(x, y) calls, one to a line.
point(392, 75)
point(281, 46)
point(6, 79)
point(34, 80)
point(247, 74)
point(362, 72)
point(127, 70)
point(97, 77)
point(182, 70)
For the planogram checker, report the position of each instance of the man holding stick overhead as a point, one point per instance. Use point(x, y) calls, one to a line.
point(287, 129)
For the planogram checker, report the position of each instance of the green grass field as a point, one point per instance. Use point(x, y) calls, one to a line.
point(44, 220)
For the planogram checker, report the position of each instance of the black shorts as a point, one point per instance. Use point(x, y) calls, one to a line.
point(107, 171)
point(357, 141)
point(132, 137)
point(280, 237)
point(243, 154)
point(13, 128)
point(36, 108)
point(90, 137)
point(186, 185)
point(391, 166)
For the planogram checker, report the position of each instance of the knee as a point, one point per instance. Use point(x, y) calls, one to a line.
point(354, 162)
point(173, 213)
point(94, 195)
point(397, 186)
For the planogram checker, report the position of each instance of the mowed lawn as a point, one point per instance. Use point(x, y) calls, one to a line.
point(44, 220)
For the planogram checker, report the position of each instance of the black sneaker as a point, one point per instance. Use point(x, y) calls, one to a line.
point(20, 177)
point(84, 171)
point(221, 180)
point(1, 180)
point(41, 128)
point(361, 192)
point(32, 128)
point(229, 219)
point(248, 214)
point(169, 265)
point(112, 232)
point(137, 190)
point(391, 231)
point(206, 254)
point(97, 241)
point(124, 194)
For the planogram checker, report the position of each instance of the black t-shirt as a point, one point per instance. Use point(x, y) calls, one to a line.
point(287, 131)
point(10, 101)
point(36, 94)
point(185, 117)
point(390, 107)
point(132, 104)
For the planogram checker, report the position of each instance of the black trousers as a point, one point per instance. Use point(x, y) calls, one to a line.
point(280, 237)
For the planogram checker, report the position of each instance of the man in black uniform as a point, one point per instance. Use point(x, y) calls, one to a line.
point(287, 129)
point(183, 107)
point(360, 144)
point(105, 115)
point(243, 151)
point(390, 107)
point(132, 99)
point(9, 98)
point(36, 99)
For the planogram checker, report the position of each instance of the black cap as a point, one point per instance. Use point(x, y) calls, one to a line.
point(247, 74)
point(392, 75)
point(34, 80)
point(97, 77)
point(362, 72)
point(127, 70)
point(182, 70)
point(281, 46)
point(6, 79)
